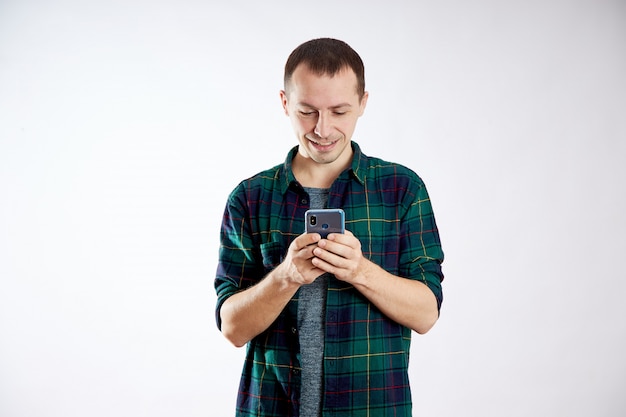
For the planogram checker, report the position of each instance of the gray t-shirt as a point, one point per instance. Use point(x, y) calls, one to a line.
point(311, 313)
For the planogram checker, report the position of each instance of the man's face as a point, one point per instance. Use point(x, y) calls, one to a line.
point(323, 111)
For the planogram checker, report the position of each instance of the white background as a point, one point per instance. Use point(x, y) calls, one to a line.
point(124, 124)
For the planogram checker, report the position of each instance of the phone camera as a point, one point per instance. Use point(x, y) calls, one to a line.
point(313, 220)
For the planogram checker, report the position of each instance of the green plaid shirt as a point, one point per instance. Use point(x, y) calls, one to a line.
point(366, 354)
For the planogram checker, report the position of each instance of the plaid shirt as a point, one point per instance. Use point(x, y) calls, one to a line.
point(366, 354)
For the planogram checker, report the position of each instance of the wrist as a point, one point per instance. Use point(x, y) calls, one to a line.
point(282, 279)
point(367, 275)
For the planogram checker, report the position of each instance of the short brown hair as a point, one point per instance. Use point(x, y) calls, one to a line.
point(326, 56)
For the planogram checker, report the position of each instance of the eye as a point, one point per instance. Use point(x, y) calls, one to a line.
point(341, 111)
point(307, 113)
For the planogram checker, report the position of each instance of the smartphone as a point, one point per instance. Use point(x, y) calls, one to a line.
point(325, 221)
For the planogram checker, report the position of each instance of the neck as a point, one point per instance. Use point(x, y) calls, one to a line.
point(315, 175)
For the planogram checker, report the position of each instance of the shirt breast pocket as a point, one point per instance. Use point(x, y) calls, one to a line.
point(273, 254)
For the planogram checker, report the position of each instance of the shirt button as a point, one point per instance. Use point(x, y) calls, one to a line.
point(304, 201)
point(294, 330)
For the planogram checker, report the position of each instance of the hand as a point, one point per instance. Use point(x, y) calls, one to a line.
point(297, 267)
point(407, 301)
point(341, 255)
point(247, 313)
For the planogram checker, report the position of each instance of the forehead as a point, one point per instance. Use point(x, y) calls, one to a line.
point(308, 86)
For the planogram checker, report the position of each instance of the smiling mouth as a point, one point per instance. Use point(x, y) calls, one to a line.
point(321, 145)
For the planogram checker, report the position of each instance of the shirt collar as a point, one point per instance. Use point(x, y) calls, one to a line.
point(357, 169)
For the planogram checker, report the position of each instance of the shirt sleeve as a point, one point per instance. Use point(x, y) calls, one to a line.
point(237, 263)
point(423, 255)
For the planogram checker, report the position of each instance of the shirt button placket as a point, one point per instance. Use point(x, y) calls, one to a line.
point(331, 353)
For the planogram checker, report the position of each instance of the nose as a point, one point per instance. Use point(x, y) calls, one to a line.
point(322, 127)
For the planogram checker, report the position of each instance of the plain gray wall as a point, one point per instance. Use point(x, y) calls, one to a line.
point(124, 124)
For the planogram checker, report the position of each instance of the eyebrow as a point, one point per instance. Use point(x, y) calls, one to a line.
point(335, 107)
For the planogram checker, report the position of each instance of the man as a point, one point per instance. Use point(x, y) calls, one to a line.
point(327, 322)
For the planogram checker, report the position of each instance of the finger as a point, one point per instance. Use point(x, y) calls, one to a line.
point(336, 247)
point(305, 240)
point(322, 265)
point(330, 257)
point(343, 238)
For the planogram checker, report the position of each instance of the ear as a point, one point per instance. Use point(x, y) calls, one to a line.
point(363, 103)
point(283, 99)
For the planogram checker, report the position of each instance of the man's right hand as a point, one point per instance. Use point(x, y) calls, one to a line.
point(297, 268)
point(250, 312)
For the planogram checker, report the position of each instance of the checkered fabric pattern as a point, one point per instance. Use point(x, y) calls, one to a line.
point(366, 354)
